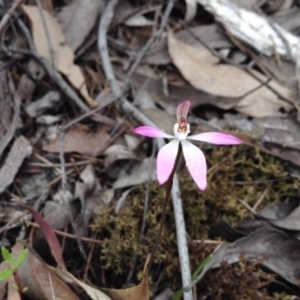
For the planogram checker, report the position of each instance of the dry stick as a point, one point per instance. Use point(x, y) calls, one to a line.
point(130, 109)
point(7, 16)
point(56, 77)
point(65, 234)
point(151, 40)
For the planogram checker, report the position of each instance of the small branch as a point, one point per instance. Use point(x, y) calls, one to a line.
point(8, 15)
point(55, 76)
point(151, 40)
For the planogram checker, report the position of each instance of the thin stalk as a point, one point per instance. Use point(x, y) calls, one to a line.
point(165, 205)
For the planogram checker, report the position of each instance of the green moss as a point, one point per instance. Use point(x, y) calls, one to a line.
point(227, 166)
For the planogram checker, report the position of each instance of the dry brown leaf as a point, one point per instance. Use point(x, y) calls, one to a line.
point(94, 293)
point(71, 19)
point(19, 151)
point(47, 5)
point(41, 282)
point(138, 292)
point(211, 35)
point(203, 71)
point(61, 53)
point(81, 139)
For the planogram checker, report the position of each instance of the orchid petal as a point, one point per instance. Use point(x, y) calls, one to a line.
point(183, 109)
point(165, 161)
point(196, 163)
point(216, 138)
point(151, 132)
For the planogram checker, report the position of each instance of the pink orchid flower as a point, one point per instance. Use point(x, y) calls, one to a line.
point(194, 157)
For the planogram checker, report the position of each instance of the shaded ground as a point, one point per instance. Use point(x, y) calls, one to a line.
point(75, 78)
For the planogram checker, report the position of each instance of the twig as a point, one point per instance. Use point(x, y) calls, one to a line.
point(65, 234)
point(261, 198)
point(62, 160)
point(7, 16)
point(127, 107)
point(151, 40)
point(26, 33)
point(88, 114)
point(56, 77)
point(247, 206)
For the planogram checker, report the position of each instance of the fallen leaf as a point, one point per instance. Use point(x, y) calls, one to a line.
point(88, 190)
point(41, 282)
point(161, 118)
point(118, 152)
point(138, 292)
point(211, 35)
point(290, 222)
point(71, 19)
point(82, 140)
point(277, 211)
point(203, 71)
point(138, 174)
point(57, 215)
point(20, 150)
point(26, 85)
point(266, 244)
point(59, 52)
point(277, 136)
point(153, 91)
point(49, 234)
point(191, 10)
point(94, 293)
point(37, 107)
point(129, 15)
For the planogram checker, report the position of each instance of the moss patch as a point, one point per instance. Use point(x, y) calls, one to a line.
point(227, 167)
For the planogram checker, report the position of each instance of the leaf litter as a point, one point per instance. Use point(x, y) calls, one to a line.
point(90, 183)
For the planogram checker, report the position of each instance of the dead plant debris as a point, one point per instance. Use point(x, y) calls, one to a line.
point(76, 77)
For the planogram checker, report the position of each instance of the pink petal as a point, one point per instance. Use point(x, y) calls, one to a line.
point(216, 138)
point(196, 163)
point(183, 109)
point(165, 161)
point(151, 132)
